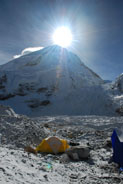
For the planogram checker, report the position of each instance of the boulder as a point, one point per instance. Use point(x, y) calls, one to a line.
point(78, 153)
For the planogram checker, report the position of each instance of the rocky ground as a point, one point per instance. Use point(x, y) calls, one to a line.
point(19, 167)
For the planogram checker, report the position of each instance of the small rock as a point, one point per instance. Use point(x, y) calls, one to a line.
point(12, 152)
point(46, 177)
point(24, 161)
point(1, 168)
point(46, 125)
point(65, 158)
point(73, 176)
point(107, 143)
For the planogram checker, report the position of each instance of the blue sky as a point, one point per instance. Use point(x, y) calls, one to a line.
point(97, 27)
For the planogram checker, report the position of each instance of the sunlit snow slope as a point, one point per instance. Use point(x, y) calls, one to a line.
point(53, 81)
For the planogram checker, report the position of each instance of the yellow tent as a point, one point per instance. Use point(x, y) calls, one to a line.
point(52, 145)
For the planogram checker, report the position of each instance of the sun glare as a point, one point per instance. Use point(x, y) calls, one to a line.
point(62, 36)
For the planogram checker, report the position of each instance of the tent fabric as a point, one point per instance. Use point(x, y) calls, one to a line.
point(117, 149)
point(52, 145)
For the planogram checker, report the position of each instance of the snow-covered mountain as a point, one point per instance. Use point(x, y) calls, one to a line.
point(53, 81)
point(117, 91)
point(118, 84)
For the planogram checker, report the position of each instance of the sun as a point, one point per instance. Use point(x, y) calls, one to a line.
point(62, 36)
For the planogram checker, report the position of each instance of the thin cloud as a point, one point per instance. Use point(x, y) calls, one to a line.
point(27, 51)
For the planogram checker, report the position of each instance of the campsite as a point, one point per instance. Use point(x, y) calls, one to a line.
point(18, 166)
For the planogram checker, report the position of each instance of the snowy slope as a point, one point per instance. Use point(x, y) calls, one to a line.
point(116, 89)
point(53, 81)
point(118, 84)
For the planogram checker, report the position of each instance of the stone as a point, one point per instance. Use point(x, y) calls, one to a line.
point(107, 143)
point(64, 158)
point(75, 156)
point(78, 152)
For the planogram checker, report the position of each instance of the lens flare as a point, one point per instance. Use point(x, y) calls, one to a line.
point(62, 36)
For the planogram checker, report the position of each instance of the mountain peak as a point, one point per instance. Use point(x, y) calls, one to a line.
point(51, 81)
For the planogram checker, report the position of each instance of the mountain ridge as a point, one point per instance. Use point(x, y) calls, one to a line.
point(53, 81)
